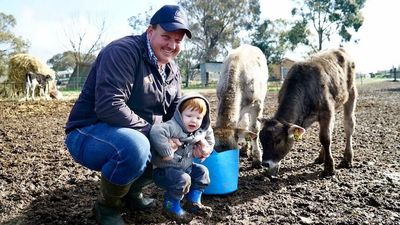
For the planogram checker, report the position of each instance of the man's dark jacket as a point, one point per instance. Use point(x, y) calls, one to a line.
point(125, 89)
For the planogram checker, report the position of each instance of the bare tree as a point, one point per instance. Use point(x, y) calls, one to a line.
point(85, 41)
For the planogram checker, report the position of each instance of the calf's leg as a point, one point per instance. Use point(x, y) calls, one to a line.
point(321, 157)
point(27, 91)
point(326, 123)
point(244, 147)
point(349, 124)
point(33, 88)
point(46, 91)
point(254, 126)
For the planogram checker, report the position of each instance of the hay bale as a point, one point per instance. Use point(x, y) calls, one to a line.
point(20, 64)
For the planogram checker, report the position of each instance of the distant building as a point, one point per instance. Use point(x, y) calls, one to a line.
point(78, 77)
point(62, 77)
point(279, 71)
point(210, 72)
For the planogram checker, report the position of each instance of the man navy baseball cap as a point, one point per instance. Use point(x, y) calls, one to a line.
point(171, 18)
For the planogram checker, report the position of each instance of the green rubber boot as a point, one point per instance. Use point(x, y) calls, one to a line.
point(135, 200)
point(108, 205)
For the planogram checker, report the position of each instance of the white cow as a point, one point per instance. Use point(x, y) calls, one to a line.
point(241, 92)
point(33, 80)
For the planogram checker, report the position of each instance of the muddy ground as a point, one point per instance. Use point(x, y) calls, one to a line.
point(41, 184)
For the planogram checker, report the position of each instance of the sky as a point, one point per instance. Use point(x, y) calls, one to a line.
point(45, 24)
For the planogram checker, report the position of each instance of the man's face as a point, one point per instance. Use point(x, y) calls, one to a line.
point(166, 45)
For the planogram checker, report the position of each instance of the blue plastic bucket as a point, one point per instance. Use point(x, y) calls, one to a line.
point(224, 172)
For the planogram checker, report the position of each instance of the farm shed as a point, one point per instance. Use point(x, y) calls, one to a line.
point(210, 71)
point(279, 71)
point(62, 77)
point(78, 77)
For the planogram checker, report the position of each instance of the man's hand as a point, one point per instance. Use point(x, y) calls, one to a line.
point(175, 143)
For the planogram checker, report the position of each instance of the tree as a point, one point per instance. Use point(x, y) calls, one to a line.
point(66, 61)
point(140, 22)
point(10, 44)
point(62, 61)
point(83, 45)
point(325, 18)
point(216, 25)
point(186, 63)
point(272, 38)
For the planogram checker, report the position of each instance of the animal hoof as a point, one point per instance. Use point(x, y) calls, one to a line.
point(326, 174)
point(345, 164)
point(256, 164)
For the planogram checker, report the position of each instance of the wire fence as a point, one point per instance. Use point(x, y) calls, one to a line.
point(11, 90)
point(16, 90)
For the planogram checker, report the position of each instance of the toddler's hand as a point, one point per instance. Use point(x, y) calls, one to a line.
point(201, 149)
point(197, 152)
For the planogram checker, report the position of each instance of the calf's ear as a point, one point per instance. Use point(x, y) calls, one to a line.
point(240, 132)
point(296, 132)
point(251, 134)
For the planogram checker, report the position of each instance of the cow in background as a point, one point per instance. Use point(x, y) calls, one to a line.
point(241, 91)
point(33, 80)
point(312, 92)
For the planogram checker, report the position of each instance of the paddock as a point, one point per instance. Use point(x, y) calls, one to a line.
point(41, 184)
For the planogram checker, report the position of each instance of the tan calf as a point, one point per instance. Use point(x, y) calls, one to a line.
point(241, 91)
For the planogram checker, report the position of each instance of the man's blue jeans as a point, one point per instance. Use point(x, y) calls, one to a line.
point(121, 154)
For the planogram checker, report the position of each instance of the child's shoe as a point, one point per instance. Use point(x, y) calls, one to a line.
point(193, 204)
point(173, 211)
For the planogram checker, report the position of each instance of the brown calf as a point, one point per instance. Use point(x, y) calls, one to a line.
point(312, 91)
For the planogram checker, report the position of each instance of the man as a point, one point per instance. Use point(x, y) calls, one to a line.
point(132, 85)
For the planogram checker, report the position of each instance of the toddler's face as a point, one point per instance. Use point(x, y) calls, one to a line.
point(191, 119)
